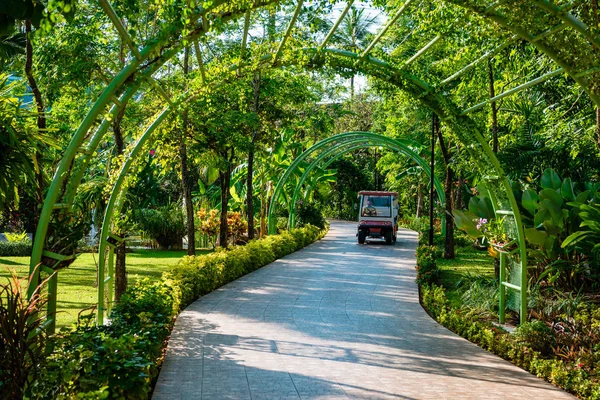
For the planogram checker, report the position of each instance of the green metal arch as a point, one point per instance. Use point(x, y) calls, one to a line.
point(143, 63)
point(335, 147)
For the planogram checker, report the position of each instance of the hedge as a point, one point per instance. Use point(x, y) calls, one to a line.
point(15, 249)
point(568, 376)
point(196, 276)
point(122, 360)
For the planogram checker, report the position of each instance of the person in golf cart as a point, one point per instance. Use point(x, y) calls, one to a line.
point(368, 209)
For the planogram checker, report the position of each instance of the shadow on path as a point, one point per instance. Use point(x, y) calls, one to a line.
point(335, 320)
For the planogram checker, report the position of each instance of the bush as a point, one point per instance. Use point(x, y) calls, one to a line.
point(309, 214)
point(15, 249)
point(195, 276)
point(536, 335)
point(16, 237)
point(117, 361)
point(481, 296)
point(427, 269)
point(122, 360)
point(165, 224)
point(577, 377)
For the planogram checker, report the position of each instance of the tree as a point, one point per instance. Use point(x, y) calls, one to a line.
point(353, 34)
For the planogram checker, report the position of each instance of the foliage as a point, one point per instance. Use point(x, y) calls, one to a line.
point(536, 335)
point(308, 213)
point(22, 336)
point(209, 224)
point(16, 237)
point(550, 215)
point(480, 295)
point(165, 224)
point(195, 276)
point(236, 226)
point(8, 249)
point(587, 241)
point(578, 376)
point(117, 361)
point(427, 269)
point(341, 201)
point(16, 146)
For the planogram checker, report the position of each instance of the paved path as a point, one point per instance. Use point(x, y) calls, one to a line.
point(336, 320)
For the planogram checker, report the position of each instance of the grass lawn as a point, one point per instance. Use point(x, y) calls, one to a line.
point(469, 262)
point(76, 289)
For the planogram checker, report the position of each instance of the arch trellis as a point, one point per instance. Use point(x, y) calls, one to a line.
point(553, 27)
point(325, 152)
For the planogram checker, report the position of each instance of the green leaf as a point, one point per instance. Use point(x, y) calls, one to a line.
point(582, 197)
point(535, 237)
point(201, 187)
point(473, 205)
point(541, 216)
point(465, 221)
point(551, 195)
point(566, 190)
point(575, 238)
point(530, 201)
point(550, 180)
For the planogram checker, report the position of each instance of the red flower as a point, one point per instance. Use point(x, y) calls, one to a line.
point(152, 152)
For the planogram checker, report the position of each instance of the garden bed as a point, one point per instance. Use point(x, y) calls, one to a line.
point(560, 342)
point(122, 360)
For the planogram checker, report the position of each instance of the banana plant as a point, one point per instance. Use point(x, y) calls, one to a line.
point(587, 240)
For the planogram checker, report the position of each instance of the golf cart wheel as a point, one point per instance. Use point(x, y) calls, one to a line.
point(388, 237)
point(361, 237)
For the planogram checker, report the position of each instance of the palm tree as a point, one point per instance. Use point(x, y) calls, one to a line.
point(353, 33)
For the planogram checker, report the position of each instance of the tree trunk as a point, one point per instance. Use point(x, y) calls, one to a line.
point(449, 239)
point(494, 108)
point(249, 193)
point(598, 127)
point(249, 178)
point(41, 123)
point(225, 178)
point(120, 254)
point(186, 184)
point(352, 87)
point(419, 200)
point(459, 194)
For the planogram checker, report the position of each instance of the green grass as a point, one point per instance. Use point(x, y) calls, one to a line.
point(469, 262)
point(76, 289)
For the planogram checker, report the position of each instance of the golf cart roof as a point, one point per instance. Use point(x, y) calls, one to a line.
point(377, 193)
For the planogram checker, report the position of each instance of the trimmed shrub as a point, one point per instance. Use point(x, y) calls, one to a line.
point(122, 360)
point(536, 335)
point(15, 249)
point(427, 269)
point(570, 376)
point(116, 361)
point(196, 276)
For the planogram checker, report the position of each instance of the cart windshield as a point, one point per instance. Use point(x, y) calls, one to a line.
point(377, 206)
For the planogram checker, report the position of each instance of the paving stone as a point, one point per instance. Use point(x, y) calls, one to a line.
point(336, 320)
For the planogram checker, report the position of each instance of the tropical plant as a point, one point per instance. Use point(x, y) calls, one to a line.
point(550, 215)
point(587, 240)
point(16, 237)
point(209, 224)
point(22, 336)
point(165, 224)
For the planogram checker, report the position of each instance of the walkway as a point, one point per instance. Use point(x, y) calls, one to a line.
point(333, 321)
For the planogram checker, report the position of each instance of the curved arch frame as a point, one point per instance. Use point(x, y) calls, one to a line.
point(130, 79)
point(332, 148)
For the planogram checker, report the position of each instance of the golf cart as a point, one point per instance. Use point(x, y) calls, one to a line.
point(378, 216)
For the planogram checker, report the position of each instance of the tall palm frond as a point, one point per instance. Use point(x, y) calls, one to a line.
point(11, 46)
